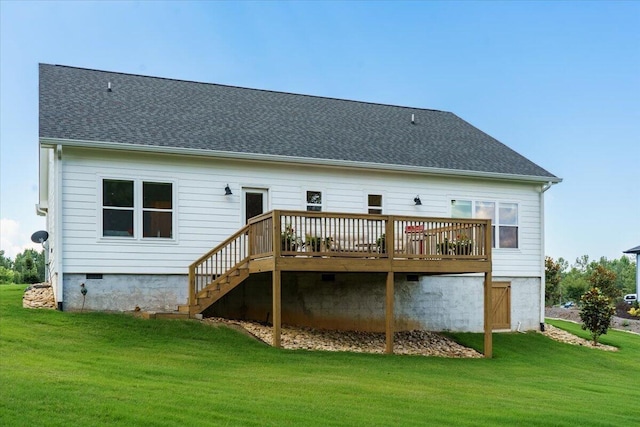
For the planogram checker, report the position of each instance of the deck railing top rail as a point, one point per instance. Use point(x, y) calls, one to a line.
point(368, 235)
point(304, 234)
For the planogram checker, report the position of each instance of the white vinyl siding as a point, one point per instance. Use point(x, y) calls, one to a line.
point(204, 216)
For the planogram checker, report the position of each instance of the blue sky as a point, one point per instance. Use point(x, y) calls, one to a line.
point(559, 82)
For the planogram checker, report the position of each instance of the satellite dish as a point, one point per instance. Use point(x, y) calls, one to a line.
point(39, 236)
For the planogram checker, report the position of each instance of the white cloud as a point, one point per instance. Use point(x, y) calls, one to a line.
point(13, 240)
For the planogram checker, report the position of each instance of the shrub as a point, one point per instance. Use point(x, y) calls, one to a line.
point(6, 275)
point(596, 313)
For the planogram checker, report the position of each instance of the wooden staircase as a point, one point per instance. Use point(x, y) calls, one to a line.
point(217, 273)
point(218, 288)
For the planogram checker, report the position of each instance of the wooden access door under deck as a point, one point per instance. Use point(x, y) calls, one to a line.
point(501, 296)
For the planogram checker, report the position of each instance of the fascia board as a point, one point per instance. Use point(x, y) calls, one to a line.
point(52, 142)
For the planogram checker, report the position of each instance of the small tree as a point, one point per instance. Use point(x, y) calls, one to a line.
point(30, 272)
point(29, 267)
point(605, 280)
point(5, 261)
point(552, 275)
point(596, 313)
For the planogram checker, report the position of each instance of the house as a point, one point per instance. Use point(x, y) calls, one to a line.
point(636, 251)
point(140, 177)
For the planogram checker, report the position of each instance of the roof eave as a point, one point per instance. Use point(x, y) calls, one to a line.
point(105, 145)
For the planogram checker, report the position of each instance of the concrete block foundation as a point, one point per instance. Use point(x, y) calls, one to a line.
point(350, 301)
point(123, 292)
point(343, 301)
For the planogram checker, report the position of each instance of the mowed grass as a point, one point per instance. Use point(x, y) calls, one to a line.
point(59, 368)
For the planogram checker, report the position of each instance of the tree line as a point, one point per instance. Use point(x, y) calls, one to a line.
point(565, 282)
point(28, 267)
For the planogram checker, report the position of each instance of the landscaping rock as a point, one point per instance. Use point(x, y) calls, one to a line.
point(39, 295)
point(568, 338)
point(422, 343)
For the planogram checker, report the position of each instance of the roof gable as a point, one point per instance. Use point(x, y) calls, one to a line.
point(75, 104)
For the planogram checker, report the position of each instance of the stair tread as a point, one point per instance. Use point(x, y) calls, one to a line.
point(220, 286)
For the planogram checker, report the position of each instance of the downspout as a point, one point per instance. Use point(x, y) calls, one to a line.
point(543, 283)
point(42, 208)
point(58, 219)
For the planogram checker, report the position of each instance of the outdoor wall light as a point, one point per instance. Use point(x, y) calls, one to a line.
point(417, 201)
point(227, 191)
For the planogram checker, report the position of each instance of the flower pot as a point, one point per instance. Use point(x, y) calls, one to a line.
point(288, 245)
point(443, 248)
point(463, 248)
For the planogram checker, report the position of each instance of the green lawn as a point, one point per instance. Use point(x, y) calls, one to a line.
point(73, 369)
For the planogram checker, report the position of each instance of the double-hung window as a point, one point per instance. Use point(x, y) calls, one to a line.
point(137, 209)
point(117, 208)
point(314, 201)
point(503, 216)
point(508, 225)
point(374, 202)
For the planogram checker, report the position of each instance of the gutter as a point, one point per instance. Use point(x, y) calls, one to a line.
point(41, 211)
point(54, 142)
point(548, 185)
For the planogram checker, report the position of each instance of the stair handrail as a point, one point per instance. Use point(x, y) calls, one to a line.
point(193, 266)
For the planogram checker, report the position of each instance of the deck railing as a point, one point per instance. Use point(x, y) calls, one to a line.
point(218, 262)
point(300, 233)
point(342, 235)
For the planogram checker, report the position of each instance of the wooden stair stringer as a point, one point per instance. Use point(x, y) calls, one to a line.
point(219, 288)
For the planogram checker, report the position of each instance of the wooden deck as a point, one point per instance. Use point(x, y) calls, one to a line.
point(280, 241)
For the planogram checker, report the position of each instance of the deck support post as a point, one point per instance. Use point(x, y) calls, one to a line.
point(389, 314)
point(488, 316)
point(277, 307)
point(192, 290)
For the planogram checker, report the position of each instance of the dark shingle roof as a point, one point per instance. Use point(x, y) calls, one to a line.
point(76, 105)
point(635, 250)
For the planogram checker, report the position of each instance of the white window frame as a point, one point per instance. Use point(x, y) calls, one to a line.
point(495, 223)
point(132, 209)
point(370, 207)
point(307, 204)
point(163, 210)
point(266, 201)
point(138, 210)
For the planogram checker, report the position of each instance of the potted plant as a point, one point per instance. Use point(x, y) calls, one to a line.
point(317, 244)
point(444, 247)
point(463, 245)
point(288, 239)
point(381, 243)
